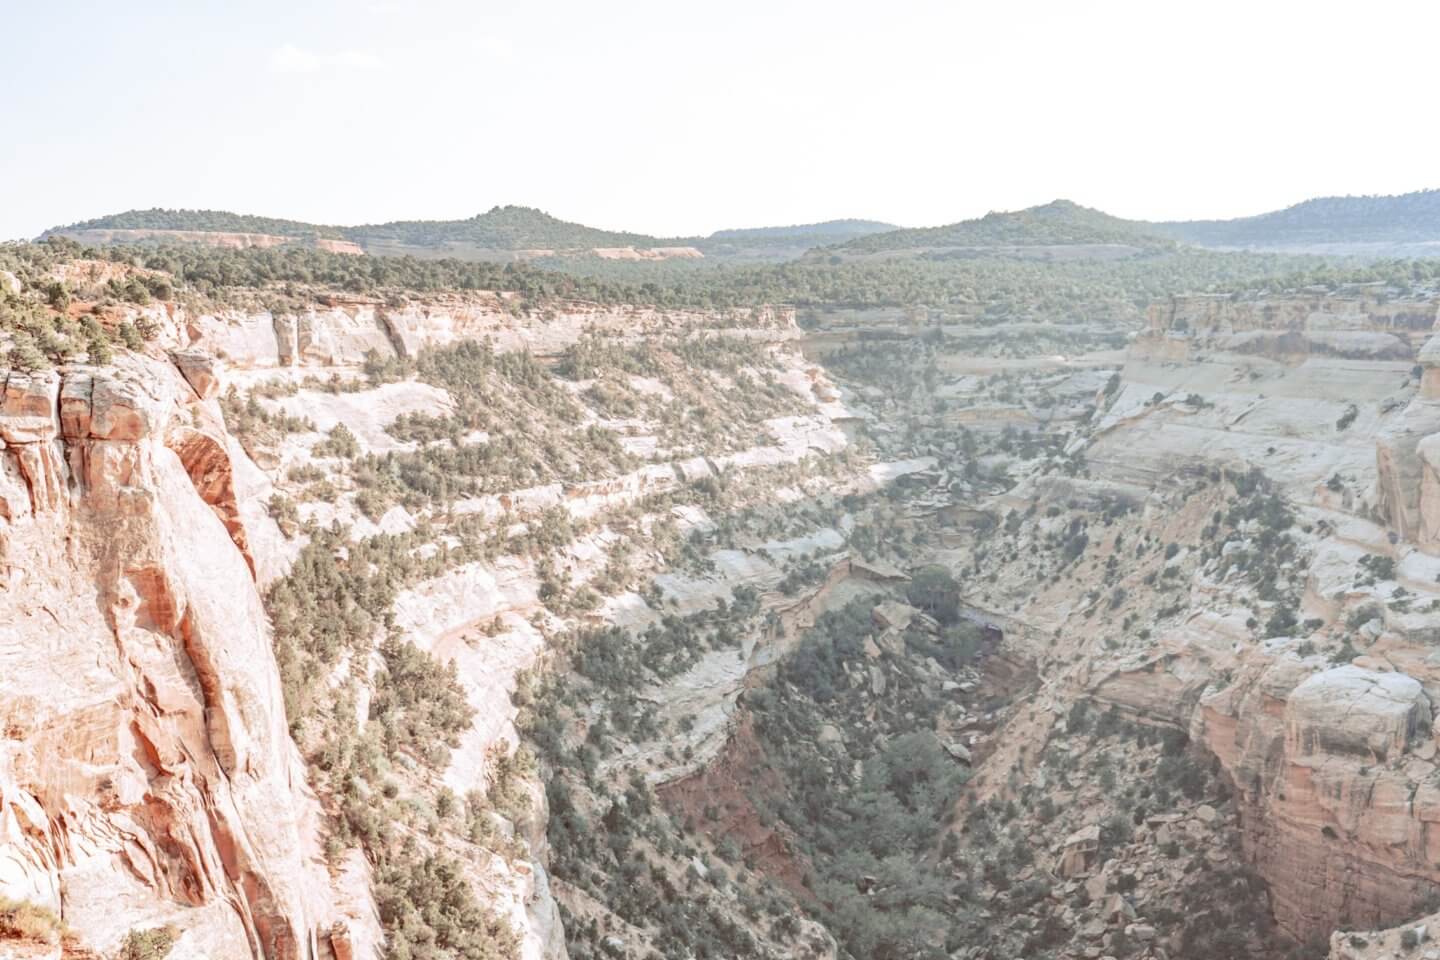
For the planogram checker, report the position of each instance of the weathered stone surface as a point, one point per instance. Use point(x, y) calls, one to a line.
point(75, 404)
point(1401, 467)
point(1335, 833)
point(125, 409)
point(1081, 849)
point(28, 408)
point(201, 371)
point(147, 774)
point(1429, 359)
point(1355, 711)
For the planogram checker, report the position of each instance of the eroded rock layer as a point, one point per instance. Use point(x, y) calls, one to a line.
point(146, 776)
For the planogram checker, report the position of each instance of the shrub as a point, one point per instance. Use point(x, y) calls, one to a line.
point(935, 590)
point(152, 944)
point(21, 919)
point(340, 443)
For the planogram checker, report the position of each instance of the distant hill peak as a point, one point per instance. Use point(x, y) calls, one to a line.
point(211, 221)
point(827, 229)
point(1365, 219)
point(1057, 223)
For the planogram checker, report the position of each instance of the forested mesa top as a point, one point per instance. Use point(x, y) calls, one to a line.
point(1059, 222)
point(1412, 218)
point(509, 228)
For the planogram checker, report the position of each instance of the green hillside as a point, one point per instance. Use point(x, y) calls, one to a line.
point(210, 221)
point(830, 231)
point(502, 228)
point(1409, 217)
point(1059, 223)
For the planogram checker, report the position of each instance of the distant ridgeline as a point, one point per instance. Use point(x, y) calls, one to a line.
point(1054, 225)
point(1059, 231)
point(504, 233)
point(512, 230)
point(1408, 222)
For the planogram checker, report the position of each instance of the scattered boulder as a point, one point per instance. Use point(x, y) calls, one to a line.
point(1140, 931)
point(893, 615)
point(959, 751)
point(1081, 849)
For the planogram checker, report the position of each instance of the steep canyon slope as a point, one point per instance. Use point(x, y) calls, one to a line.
point(429, 497)
point(480, 623)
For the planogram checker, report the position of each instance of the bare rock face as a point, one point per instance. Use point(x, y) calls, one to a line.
point(1355, 711)
point(1343, 824)
point(1429, 360)
point(200, 370)
point(146, 773)
point(1217, 315)
point(1408, 459)
point(1401, 486)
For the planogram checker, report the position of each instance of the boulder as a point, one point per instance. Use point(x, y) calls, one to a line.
point(28, 407)
point(1080, 851)
point(893, 615)
point(200, 370)
point(1351, 710)
point(123, 410)
point(1140, 931)
point(958, 751)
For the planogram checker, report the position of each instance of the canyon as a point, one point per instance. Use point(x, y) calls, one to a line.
point(321, 601)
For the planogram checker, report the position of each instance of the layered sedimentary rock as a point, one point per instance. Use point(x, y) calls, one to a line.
point(146, 773)
point(1341, 822)
point(1408, 461)
point(1205, 316)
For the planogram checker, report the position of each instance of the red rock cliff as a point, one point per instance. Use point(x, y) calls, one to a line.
point(146, 772)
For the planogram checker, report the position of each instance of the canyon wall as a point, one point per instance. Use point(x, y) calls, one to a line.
point(1331, 755)
point(147, 776)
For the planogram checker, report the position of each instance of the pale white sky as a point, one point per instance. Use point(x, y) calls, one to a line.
point(678, 117)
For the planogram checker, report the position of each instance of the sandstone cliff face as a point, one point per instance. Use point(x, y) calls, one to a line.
point(1216, 315)
point(146, 774)
point(483, 616)
point(1335, 815)
point(1323, 733)
point(340, 331)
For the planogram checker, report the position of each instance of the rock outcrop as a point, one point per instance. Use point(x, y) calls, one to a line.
point(146, 774)
point(1335, 815)
point(1205, 316)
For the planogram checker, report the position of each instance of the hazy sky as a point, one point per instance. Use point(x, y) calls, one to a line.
point(683, 117)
